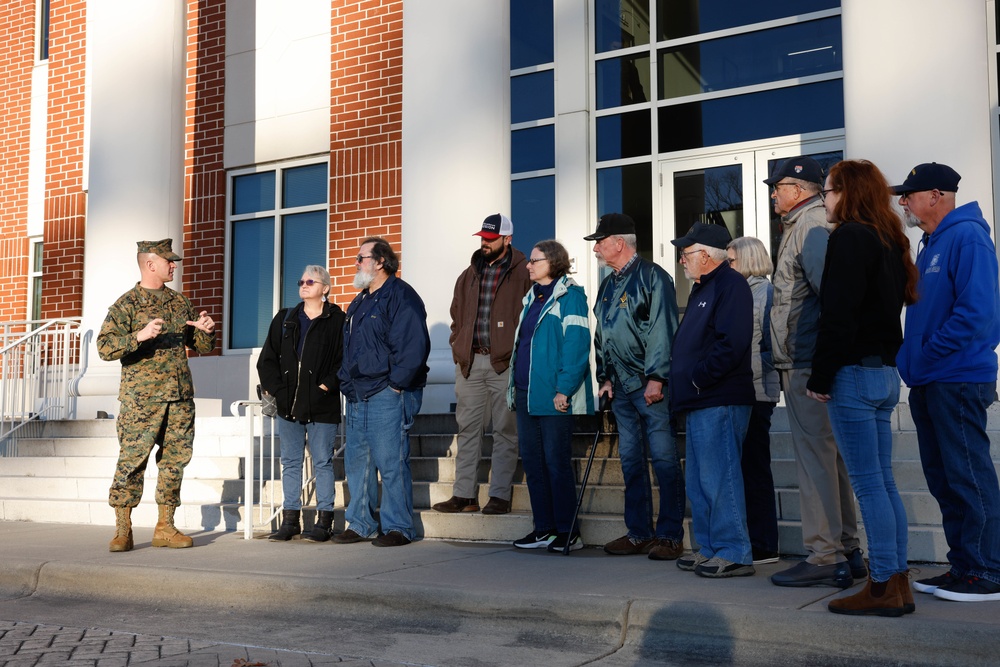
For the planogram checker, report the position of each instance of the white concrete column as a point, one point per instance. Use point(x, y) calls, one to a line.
point(136, 72)
point(916, 89)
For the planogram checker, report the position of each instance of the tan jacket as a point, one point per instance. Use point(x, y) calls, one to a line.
point(797, 275)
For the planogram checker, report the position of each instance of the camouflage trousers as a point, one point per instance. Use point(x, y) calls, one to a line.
point(141, 427)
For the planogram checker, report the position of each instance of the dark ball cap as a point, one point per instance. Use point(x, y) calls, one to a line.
point(802, 167)
point(612, 224)
point(714, 236)
point(929, 176)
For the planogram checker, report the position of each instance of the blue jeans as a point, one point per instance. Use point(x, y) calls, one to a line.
point(293, 445)
point(955, 453)
point(758, 481)
point(378, 441)
point(546, 449)
point(643, 428)
point(715, 481)
point(860, 408)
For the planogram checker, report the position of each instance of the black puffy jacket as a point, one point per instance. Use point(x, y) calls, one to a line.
point(294, 381)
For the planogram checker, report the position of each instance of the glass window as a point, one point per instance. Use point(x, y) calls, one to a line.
point(532, 33)
point(533, 211)
point(623, 135)
point(532, 96)
point(533, 149)
point(826, 160)
point(620, 24)
point(44, 12)
point(304, 186)
point(262, 226)
point(682, 18)
point(622, 81)
point(752, 58)
point(253, 193)
point(629, 189)
point(772, 113)
point(35, 277)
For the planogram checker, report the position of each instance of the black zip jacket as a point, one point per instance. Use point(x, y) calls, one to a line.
point(294, 381)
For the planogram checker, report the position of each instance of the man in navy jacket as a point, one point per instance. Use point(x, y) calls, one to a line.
point(382, 375)
point(711, 379)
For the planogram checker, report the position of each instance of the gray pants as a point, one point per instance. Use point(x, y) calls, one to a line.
point(479, 397)
point(826, 500)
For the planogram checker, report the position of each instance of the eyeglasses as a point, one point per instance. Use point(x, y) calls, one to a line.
point(826, 192)
point(906, 195)
point(310, 282)
point(361, 258)
point(731, 260)
point(775, 187)
point(536, 260)
point(690, 252)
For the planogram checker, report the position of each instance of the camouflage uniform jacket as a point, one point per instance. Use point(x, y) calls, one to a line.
point(155, 370)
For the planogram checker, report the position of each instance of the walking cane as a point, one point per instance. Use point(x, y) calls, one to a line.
point(605, 406)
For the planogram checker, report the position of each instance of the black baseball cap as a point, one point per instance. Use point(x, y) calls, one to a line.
point(802, 167)
point(929, 176)
point(612, 224)
point(714, 236)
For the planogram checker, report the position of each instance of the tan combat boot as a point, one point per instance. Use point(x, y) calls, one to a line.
point(165, 534)
point(122, 541)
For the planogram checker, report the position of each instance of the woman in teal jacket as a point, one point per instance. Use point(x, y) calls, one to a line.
point(549, 384)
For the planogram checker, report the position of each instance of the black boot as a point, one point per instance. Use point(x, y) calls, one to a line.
point(322, 529)
point(289, 527)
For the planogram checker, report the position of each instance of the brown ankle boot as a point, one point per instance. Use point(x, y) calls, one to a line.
point(122, 541)
point(902, 580)
point(875, 599)
point(166, 535)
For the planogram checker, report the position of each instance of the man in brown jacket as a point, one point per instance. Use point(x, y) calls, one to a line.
point(484, 313)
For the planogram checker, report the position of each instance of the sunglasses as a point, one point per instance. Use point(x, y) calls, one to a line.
point(310, 282)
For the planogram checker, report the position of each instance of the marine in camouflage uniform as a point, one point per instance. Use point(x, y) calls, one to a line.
point(149, 331)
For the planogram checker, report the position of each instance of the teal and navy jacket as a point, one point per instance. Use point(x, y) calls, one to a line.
point(560, 353)
point(636, 322)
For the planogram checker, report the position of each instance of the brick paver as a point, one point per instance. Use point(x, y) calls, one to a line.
point(31, 645)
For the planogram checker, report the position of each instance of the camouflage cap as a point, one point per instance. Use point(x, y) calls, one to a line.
point(162, 248)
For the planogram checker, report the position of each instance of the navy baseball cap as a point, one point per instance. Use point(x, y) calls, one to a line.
point(714, 236)
point(802, 167)
point(929, 176)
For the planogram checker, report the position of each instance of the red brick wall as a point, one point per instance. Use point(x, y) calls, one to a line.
point(204, 175)
point(65, 200)
point(17, 57)
point(366, 116)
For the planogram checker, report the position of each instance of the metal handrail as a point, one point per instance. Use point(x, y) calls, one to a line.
point(37, 361)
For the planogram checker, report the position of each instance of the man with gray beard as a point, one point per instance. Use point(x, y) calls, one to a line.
point(382, 375)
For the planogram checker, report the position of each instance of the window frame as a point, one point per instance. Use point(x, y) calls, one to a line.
point(35, 275)
point(43, 27)
point(278, 213)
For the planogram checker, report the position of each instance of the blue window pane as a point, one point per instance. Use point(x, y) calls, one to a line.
point(532, 96)
point(772, 113)
point(533, 149)
point(532, 33)
point(619, 24)
point(629, 190)
point(303, 242)
point(304, 186)
point(622, 81)
point(623, 135)
point(788, 52)
point(252, 281)
point(253, 192)
point(681, 18)
point(533, 211)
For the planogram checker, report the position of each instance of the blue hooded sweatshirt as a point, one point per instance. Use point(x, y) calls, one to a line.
point(953, 328)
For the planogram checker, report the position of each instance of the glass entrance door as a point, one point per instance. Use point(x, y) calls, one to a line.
point(725, 190)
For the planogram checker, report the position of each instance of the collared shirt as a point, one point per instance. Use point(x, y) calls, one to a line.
point(628, 264)
point(488, 282)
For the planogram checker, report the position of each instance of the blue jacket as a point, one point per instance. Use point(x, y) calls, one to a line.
point(386, 343)
point(711, 365)
point(953, 328)
point(560, 353)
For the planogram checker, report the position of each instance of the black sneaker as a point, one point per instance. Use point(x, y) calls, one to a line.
point(764, 557)
point(535, 540)
point(856, 560)
point(931, 584)
point(559, 543)
point(969, 589)
point(718, 568)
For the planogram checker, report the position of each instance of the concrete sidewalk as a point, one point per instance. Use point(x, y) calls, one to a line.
point(437, 602)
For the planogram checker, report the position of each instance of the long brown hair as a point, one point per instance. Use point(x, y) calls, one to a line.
point(864, 197)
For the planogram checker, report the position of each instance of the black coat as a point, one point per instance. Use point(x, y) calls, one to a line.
point(295, 382)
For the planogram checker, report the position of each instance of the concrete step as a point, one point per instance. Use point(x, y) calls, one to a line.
point(211, 467)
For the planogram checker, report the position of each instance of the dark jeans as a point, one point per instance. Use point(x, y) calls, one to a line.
point(546, 442)
point(758, 483)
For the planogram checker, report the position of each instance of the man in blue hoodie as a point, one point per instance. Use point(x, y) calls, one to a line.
point(948, 360)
